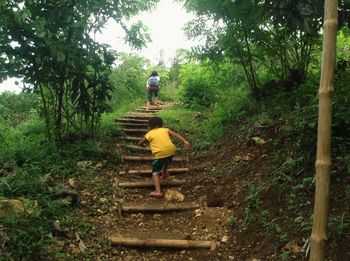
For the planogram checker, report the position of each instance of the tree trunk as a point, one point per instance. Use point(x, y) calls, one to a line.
point(47, 116)
point(323, 157)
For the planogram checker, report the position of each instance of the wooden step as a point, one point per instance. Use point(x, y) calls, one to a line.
point(118, 240)
point(131, 138)
point(159, 207)
point(139, 116)
point(148, 171)
point(133, 125)
point(149, 183)
point(137, 148)
point(142, 131)
point(141, 121)
point(148, 111)
point(149, 158)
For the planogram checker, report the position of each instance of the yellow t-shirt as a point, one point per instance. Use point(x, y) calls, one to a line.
point(160, 143)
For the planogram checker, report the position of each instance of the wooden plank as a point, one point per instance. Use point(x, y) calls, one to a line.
point(149, 158)
point(160, 207)
point(162, 243)
point(148, 171)
point(135, 130)
point(149, 183)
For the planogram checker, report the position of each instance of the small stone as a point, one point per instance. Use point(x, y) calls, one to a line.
point(128, 258)
point(183, 252)
point(231, 258)
point(83, 202)
point(72, 182)
point(103, 200)
point(224, 239)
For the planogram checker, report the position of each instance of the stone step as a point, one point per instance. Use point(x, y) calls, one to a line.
point(159, 207)
point(148, 183)
point(148, 171)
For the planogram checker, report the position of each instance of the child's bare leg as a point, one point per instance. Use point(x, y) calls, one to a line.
point(148, 105)
point(165, 172)
point(155, 100)
point(156, 181)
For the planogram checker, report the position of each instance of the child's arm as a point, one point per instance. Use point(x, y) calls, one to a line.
point(187, 145)
point(142, 142)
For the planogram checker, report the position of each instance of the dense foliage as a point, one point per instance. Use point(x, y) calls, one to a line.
point(50, 46)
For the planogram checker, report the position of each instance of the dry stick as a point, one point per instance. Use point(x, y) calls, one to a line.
point(323, 157)
point(149, 183)
point(146, 171)
point(148, 158)
point(168, 243)
point(160, 207)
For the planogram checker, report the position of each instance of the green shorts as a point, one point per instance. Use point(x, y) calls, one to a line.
point(152, 92)
point(158, 164)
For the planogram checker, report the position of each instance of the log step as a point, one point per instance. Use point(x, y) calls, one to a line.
point(138, 116)
point(160, 207)
point(148, 171)
point(149, 158)
point(143, 121)
point(137, 148)
point(130, 138)
point(147, 111)
point(149, 183)
point(143, 131)
point(118, 240)
point(133, 125)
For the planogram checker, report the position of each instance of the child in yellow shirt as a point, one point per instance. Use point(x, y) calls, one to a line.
point(163, 150)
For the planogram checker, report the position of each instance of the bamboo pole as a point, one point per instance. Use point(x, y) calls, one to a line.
point(143, 131)
point(138, 148)
point(323, 157)
point(149, 183)
point(149, 158)
point(168, 243)
point(146, 171)
point(132, 120)
point(149, 207)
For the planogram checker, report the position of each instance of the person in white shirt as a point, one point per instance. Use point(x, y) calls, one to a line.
point(152, 87)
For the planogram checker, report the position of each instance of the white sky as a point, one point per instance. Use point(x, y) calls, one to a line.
point(165, 28)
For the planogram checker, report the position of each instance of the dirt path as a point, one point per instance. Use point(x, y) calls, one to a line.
point(101, 212)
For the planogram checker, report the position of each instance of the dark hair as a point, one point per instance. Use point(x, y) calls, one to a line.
point(154, 73)
point(155, 122)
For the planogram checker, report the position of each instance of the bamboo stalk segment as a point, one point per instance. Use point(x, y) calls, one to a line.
point(133, 125)
point(147, 111)
point(323, 156)
point(136, 130)
point(146, 171)
point(135, 147)
point(164, 243)
point(132, 120)
point(163, 207)
point(149, 183)
point(149, 158)
point(132, 138)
